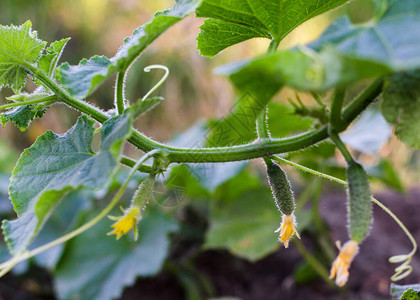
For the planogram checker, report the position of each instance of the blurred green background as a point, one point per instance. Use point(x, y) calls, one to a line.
point(217, 207)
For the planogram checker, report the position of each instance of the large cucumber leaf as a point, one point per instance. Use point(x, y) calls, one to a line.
point(235, 21)
point(343, 54)
point(401, 106)
point(56, 164)
point(97, 267)
point(18, 45)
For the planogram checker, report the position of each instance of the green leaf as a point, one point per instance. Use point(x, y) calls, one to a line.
point(380, 7)
point(49, 59)
point(282, 122)
point(385, 172)
point(302, 69)
point(141, 107)
point(368, 141)
point(245, 225)
point(62, 220)
point(216, 35)
point(180, 179)
point(411, 295)
point(211, 175)
point(56, 164)
point(345, 53)
point(401, 106)
point(235, 21)
point(377, 41)
point(22, 116)
point(238, 127)
point(199, 179)
point(18, 45)
point(405, 292)
point(98, 267)
point(236, 186)
point(83, 79)
point(320, 152)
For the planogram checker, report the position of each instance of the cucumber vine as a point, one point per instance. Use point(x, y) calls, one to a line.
point(58, 164)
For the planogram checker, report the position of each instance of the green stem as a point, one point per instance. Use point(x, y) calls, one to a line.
point(262, 125)
point(131, 163)
point(313, 262)
point(273, 46)
point(308, 170)
point(318, 99)
point(46, 100)
point(359, 104)
point(119, 93)
point(336, 119)
point(263, 131)
point(223, 154)
point(63, 96)
point(340, 145)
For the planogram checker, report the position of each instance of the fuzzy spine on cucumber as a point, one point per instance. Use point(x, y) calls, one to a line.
point(281, 189)
point(359, 202)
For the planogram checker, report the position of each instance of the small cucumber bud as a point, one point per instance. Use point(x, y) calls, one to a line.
point(143, 193)
point(359, 202)
point(281, 189)
point(133, 214)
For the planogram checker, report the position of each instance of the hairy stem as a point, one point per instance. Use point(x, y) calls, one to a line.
point(130, 163)
point(221, 154)
point(119, 93)
point(273, 46)
point(336, 119)
point(46, 100)
point(340, 145)
point(262, 124)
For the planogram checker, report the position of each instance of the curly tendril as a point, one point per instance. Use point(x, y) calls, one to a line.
point(404, 269)
point(160, 82)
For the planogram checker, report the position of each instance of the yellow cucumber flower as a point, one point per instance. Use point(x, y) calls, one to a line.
point(287, 229)
point(341, 265)
point(125, 222)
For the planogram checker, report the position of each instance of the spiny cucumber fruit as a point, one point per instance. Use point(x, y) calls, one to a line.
point(359, 202)
point(281, 188)
point(143, 193)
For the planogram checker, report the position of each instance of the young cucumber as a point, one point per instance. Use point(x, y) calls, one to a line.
point(143, 193)
point(359, 203)
point(281, 188)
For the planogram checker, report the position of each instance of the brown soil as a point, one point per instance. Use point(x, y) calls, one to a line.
point(272, 277)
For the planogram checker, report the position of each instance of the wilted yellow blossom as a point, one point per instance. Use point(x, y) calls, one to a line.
point(287, 229)
point(341, 265)
point(126, 222)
